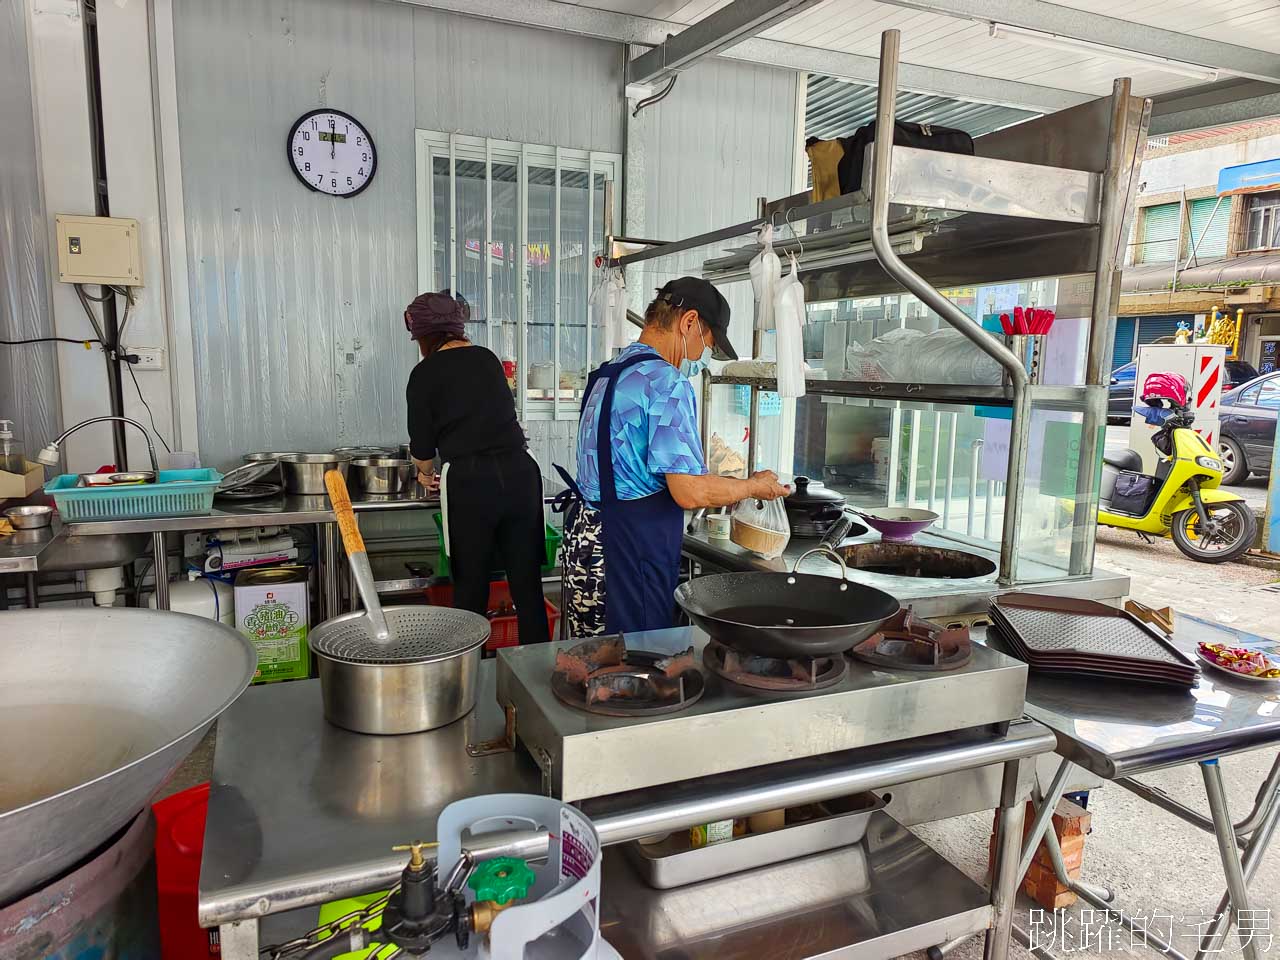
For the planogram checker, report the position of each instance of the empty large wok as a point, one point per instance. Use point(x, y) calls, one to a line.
point(97, 708)
point(750, 612)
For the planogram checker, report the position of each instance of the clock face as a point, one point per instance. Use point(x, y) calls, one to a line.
point(332, 153)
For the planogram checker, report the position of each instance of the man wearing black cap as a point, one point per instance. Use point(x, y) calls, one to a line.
point(644, 467)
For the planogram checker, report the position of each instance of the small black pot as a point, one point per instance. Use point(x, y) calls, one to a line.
point(812, 508)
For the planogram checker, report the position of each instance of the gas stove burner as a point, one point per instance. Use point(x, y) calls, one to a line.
point(601, 675)
point(770, 673)
point(905, 642)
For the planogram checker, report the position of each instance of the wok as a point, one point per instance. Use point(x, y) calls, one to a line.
point(747, 611)
point(97, 708)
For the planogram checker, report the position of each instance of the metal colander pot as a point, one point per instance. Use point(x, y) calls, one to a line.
point(424, 678)
point(393, 669)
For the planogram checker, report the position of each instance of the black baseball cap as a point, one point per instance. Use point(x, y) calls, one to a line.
point(694, 293)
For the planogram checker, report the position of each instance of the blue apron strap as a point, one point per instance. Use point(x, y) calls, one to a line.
point(604, 435)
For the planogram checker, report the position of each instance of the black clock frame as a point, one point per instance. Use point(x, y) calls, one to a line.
point(288, 151)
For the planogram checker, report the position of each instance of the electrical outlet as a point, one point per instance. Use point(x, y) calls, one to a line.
point(149, 358)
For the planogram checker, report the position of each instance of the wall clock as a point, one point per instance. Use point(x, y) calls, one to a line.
point(331, 152)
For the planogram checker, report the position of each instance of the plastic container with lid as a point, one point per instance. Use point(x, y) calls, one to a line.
point(12, 459)
point(203, 597)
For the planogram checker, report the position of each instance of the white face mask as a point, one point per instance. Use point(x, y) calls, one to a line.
point(689, 367)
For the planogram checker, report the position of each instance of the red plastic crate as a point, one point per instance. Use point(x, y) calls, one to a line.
point(179, 845)
point(504, 631)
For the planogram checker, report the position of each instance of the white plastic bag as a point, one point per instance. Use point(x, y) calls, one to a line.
point(760, 526)
point(766, 271)
point(788, 313)
point(608, 306)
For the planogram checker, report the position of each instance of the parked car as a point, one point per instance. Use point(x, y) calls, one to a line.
point(1120, 397)
point(1247, 427)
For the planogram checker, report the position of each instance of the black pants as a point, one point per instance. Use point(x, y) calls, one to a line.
point(496, 523)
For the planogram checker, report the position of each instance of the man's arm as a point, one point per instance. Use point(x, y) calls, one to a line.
point(692, 491)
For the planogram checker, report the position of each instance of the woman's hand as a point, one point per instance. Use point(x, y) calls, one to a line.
point(429, 481)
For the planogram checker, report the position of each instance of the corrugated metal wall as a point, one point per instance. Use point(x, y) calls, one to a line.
point(28, 374)
point(296, 298)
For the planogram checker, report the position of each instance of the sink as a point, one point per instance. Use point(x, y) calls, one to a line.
point(76, 552)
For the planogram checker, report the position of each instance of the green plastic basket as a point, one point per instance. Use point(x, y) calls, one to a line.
point(442, 556)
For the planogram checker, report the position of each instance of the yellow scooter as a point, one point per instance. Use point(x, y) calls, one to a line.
point(1182, 498)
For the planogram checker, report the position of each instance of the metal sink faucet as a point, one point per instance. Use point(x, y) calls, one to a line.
point(49, 456)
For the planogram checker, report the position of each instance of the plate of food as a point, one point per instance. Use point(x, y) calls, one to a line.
point(1240, 662)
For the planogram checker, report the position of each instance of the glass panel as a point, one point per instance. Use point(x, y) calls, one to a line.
point(469, 183)
point(504, 313)
point(1049, 498)
point(596, 247)
point(575, 271)
point(439, 222)
point(727, 447)
point(1269, 394)
point(540, 377)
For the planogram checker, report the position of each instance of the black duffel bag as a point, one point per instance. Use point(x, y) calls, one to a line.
point(924, 136)
point(1133, 493)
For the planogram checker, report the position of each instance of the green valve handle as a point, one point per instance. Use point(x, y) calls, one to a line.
point(501, 880)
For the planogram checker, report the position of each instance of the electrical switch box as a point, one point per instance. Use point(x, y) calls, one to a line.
point(106, 250)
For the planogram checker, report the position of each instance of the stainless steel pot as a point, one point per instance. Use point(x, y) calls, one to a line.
point(426, 678)
point(31, 517)
point(304, 472)
point(382, 475)
point(371, 450)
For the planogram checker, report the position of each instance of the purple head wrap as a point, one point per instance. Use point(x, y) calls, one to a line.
point(436, 313)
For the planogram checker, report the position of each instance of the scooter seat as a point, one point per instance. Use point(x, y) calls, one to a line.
point(1129, 460)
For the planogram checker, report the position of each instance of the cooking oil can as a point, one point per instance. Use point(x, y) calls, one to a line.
point(271, 610)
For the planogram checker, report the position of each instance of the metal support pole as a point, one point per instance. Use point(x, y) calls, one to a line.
point(330, 593)
point(1225, 833)
point(990, 507)
point(1124, 154)
point(33, 592)
point(1004, 878)
point(896, 268)
point(975, 451)
point(1254, 851)
point(160, 567)
point(913, 460)
point(951, 470)
point(1044, 814)
point(753, 425)
point(933, 463)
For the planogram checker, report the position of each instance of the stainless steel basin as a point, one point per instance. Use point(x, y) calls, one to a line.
point(75, 552)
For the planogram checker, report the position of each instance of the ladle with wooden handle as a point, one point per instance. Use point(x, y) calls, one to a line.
point(356, 554)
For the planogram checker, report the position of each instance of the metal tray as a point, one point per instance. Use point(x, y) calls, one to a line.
point(672, 862)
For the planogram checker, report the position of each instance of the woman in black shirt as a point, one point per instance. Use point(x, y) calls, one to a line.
point(461, 409)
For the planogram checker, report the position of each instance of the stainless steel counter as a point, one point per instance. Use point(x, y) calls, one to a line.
point(20, 552)
point(301, 812)
point(930, 597)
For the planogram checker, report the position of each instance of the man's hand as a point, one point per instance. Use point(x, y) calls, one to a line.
point(764, 485)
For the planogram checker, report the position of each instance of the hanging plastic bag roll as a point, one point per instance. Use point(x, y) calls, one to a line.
point(766, 273)
point(619, 329)
point(789, 315)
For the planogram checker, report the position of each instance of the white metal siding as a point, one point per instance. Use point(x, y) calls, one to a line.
point(1159, 237)
point(297, 299)
point(28, 374)
point(1202, 215)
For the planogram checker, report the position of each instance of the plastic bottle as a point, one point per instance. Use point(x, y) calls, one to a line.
point(11, 456)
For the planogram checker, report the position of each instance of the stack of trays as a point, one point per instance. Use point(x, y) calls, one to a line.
point(1083, 638)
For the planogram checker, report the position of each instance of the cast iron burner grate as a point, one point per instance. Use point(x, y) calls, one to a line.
point(770, 673)
point(601, 675)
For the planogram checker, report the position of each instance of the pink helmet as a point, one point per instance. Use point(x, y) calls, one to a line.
point(1165, 386)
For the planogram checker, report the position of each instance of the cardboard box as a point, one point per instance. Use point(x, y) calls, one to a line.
point(14, 486)
point(272, 611)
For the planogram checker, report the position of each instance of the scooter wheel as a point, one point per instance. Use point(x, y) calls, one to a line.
point(1237, 529)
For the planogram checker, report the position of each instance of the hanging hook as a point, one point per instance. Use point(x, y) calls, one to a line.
point(794, 234)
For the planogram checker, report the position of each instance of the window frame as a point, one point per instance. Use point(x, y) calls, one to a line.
point(1269, 212)
point(454, 147)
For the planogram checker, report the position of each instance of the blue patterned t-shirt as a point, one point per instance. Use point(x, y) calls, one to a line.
point(654, 429)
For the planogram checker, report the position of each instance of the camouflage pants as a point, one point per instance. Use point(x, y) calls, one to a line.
point(582, 566)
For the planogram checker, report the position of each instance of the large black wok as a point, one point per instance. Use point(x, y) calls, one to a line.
point(750, 612)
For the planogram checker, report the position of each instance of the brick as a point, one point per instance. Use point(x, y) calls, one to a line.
point(1071, 823)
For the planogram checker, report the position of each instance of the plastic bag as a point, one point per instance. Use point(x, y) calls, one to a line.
point(766, 272)
point(760, 526)
point(608, 307)
point(789, 315)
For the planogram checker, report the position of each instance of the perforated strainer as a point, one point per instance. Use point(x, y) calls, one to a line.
point(418, 635)
point(421, 673)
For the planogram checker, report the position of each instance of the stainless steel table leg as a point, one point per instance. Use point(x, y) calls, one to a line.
point(1224, 830)
point(33, 592)
point(239, 940)
point(1254, 850)
point(160, 566)
point(329, 586)
point(1004, 878)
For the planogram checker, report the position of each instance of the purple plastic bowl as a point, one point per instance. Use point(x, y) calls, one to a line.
point(898, 524)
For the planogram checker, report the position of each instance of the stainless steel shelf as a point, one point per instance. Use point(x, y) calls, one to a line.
point(961, 393)
point(863, 900)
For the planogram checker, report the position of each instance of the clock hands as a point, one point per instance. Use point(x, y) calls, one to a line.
point(333, 139)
